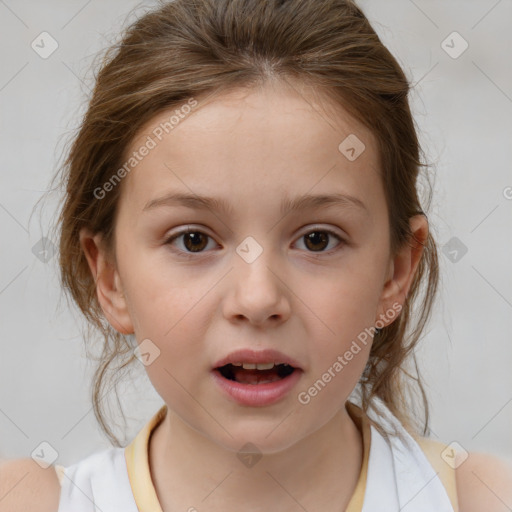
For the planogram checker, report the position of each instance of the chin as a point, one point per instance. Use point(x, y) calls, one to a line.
point(257, 435)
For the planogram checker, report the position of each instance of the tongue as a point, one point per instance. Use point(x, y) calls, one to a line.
point(255, 376)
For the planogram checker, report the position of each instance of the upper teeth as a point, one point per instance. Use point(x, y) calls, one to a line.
point(255, 366)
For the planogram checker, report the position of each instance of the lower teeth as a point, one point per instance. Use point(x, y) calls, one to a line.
point(255, 377)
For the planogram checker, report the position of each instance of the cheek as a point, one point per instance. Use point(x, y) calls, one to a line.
point(337, 362)
point(340, 318)
point(159, 296)
point(331, 382)
point(343, 303)
point(166, 308)
point(177, 341)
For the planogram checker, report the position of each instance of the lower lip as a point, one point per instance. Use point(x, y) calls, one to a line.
point(257, 395)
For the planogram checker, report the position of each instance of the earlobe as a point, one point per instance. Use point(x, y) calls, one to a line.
point(108, 282)
point(402, 268)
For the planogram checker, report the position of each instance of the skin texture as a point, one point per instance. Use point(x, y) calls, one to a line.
point(197, 311)
point(484, 482)
point(252, 148)
point(24, 485)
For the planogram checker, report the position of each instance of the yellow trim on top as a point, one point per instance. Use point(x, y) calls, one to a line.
point(137, 464)
point(59, 469)
point(432, 450)
point(144, 493)
point(361, 420)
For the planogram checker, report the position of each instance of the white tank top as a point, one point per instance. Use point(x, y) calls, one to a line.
point(397, 475)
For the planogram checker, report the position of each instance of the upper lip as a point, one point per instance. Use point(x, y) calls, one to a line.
point(260, 356)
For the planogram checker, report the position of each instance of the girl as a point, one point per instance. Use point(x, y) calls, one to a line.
point(241, 209)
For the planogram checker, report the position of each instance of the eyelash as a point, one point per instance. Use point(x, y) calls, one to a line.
point(190, 255)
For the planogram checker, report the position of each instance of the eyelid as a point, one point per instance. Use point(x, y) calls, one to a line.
point(318, 227)
point(190, 228)
point(307, 229)
point(200, 229)
point(341, 240)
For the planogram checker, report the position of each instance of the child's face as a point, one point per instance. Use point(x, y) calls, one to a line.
point(309, 299)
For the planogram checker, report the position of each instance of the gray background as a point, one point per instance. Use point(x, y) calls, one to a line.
point(463, 108)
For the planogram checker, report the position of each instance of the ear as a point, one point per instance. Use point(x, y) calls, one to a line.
point(108, 282)
point(402, 268)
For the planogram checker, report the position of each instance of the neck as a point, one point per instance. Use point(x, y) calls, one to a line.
point(320, 472)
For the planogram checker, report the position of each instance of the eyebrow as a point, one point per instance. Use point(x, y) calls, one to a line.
point(305, 202)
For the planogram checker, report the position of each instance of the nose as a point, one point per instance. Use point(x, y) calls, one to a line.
point(258, 291)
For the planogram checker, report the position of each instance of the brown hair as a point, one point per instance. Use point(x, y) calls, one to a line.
point(189, 49)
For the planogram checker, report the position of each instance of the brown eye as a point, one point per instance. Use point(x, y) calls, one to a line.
point(318, 240)
point(193, 241)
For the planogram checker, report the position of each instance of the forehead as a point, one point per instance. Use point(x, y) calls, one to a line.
point(276, 137)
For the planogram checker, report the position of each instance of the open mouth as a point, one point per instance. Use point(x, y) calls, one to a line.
point(244, 376)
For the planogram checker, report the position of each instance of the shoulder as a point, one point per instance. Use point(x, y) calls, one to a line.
point(484, 482)
point(23, 484)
